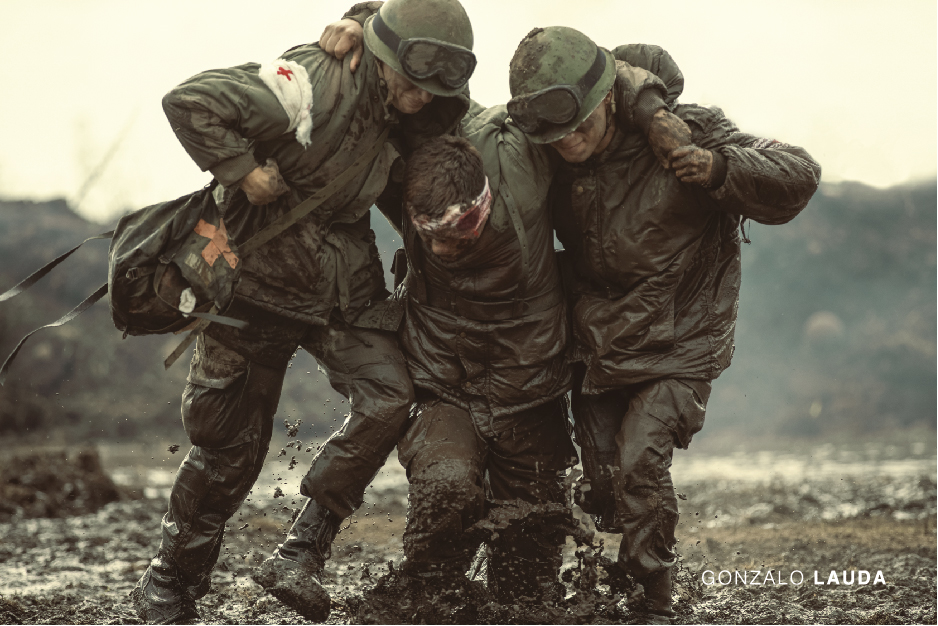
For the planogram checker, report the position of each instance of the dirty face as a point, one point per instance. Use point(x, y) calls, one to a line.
point(403, 95)
point(589, 138)
point(450, 250)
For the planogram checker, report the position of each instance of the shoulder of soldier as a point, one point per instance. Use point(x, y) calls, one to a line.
point(705, 119)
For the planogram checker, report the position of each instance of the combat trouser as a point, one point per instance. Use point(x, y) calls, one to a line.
point(448, 455)
point(228, 406)
point(627, 438)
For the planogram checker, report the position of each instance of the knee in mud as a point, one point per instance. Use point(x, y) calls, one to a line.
point(447, 483)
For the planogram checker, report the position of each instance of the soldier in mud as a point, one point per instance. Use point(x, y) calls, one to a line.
point(485, 334)
point(652, 232)
point(272, 135)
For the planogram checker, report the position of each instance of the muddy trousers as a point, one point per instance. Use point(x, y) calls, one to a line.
point(627, 438)
point(448, 457)
point(228, 407)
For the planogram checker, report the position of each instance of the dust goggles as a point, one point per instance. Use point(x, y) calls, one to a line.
point(557, 104)
point(422, 57)
point(459, 221)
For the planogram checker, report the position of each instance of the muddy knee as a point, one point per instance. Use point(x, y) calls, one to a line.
point(450, 484)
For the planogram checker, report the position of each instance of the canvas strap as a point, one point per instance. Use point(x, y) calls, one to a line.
point(286, 221)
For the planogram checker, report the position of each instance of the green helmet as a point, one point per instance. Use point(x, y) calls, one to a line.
point(558, 77)
point(427, 41)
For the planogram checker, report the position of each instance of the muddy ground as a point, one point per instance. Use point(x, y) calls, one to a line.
point(793, 518)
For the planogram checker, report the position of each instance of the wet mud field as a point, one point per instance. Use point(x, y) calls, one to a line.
point(764, 538)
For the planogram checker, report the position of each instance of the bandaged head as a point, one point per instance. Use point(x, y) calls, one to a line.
point(458, 221)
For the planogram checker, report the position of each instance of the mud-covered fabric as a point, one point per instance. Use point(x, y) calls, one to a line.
point(230, 425)
point(447, 460)
point(656, 60)
point(487, 332)
point(228, 406)
point(367, 367)
point(229, 121)
point(627, 438)
point(657, 261)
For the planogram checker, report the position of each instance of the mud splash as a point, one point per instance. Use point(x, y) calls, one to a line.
point(79, 569)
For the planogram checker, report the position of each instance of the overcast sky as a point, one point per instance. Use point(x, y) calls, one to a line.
point(852, 81)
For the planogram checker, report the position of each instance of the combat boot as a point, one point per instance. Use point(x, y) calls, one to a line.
point(293, 574)
point(656, 608)
point(161, 597)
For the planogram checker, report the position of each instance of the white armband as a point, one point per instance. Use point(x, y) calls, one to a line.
point(290, 83)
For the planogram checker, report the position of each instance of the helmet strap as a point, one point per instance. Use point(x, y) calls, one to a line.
point(610, 122)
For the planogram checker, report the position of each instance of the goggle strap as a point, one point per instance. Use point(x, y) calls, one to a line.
point(387, 36)
point(593, 74)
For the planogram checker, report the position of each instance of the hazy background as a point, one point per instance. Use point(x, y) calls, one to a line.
point(853, 81)
point(836, 334)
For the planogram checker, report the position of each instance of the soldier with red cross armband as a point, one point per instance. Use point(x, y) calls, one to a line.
point(272, 135)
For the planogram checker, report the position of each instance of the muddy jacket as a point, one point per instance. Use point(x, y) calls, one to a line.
point(488, 332)
point(229, 121)
point(657, 261)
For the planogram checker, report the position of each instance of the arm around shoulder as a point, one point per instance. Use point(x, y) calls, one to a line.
point(762, 179)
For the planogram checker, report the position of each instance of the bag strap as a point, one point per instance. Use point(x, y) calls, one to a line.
point(284, 222)
point(65, 319)
point(36, 276)
point(304, 208)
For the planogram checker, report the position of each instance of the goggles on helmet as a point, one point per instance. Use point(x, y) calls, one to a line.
point(423, 57)
point(557, 104)
point(459, 221)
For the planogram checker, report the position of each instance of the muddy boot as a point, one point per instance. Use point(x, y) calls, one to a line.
point(656, 608)
point(293, 574)
point(161, 597)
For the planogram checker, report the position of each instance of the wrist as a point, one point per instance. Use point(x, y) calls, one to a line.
point(717, 171)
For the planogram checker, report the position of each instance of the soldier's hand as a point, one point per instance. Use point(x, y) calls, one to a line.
point(667, 132)
point(340, 38)
point(692, 164)
point(264, 184)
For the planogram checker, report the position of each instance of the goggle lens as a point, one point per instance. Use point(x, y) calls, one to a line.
point(556, 105)
point(422, 59)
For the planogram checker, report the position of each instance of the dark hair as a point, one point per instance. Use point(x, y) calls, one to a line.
point(445, 170)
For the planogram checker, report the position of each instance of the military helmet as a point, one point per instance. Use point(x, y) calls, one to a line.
point(427, 41)
point(558, 76)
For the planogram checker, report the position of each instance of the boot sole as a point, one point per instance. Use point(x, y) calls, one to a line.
point(295, 588)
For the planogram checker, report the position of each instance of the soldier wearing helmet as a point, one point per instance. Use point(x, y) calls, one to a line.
point(272, 135)
point(485, 336)
point(652, 233)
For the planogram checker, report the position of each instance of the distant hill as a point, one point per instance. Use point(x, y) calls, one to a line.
point(837, 317)
point(836, 328)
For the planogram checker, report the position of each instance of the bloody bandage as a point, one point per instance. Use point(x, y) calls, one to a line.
point(459, 221)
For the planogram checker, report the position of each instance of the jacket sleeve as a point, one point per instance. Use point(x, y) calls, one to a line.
point(765, 180)
point(657, 61)
point(638, 94)
point(218, 115)
point(361, 11)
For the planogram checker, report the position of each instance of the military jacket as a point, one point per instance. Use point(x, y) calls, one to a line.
point(657, 261)
point(488, 332)
point(230, 121)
